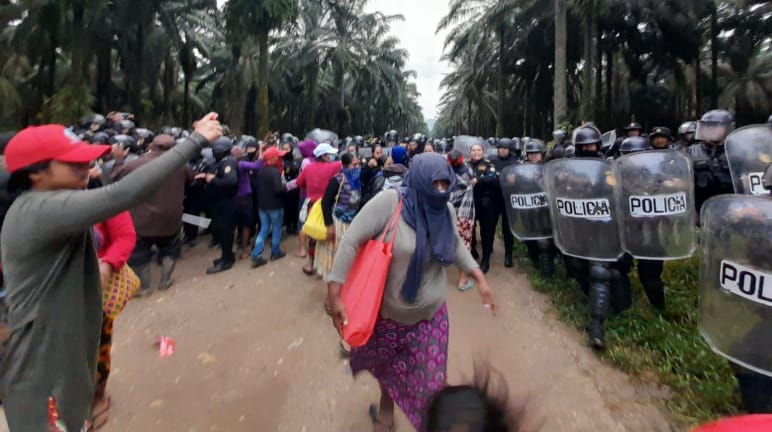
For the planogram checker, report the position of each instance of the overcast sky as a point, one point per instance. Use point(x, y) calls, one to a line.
point(417, 35)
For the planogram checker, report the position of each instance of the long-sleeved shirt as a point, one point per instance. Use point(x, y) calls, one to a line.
point(315, 178)
point(270, 190)
point(369, 224)
point(246, 170)
point(118, 240)
point(54, 293)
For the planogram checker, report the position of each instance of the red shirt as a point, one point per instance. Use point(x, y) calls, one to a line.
point(118, 239)
point(315, 177)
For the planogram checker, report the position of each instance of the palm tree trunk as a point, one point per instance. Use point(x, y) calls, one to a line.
point(500, 84)
point(104, 72)
point(588, 93)
point(697, 87)
point(468, 114)
point(609, 89)
point(560, 109)
point(262, 83)
point(714, 56)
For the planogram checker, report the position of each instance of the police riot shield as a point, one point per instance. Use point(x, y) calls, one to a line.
point(581, 198)
point(526, 202)
point(464, 143)
point(442, 147)
point(322, 135)
point(749, 151)
point(655, 203)
point(735, 308)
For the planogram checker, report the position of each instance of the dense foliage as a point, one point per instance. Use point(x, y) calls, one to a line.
point(661, 61)
point(284, 64)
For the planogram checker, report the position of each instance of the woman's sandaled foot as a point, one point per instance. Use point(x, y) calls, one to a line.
point(100, 413)
point(308, 272)
point(301, 254)
point(380, 425)
point(466, 286)
point(345, 349)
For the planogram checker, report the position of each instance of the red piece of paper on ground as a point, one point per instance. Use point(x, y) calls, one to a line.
point(165, 346)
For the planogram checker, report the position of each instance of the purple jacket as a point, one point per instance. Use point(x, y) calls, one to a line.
point(245, 187)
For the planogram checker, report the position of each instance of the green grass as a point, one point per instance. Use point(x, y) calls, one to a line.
point(651, 345)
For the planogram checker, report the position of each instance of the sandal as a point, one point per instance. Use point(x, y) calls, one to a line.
point(100, 413)
point(467, 286)
point(308, 272)
point(345, 350)
point(377, 421)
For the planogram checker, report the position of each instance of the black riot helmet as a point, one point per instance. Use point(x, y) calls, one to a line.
point(176, 132)
point(247, 141)
point(127, 142)
point(422, 138)
point(559, 135)
point(517, 145)
point(714, 126)
point(585, 136)
point(125, 127)
point(98, 138)
point(769, 120)
point(633, 126)
point(493, 142)
point(144, 137)
point(505, 143)
point(687, 127)
point(391, 136)
point(359, 140)
point(634, 144)
point(287, 138)
point(535, 146)
point(92, 122)
point(221, 148)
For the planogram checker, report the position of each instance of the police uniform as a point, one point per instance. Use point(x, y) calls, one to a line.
point(711, 172)
point(501, 163)
point(487, 192)
point(223, 189)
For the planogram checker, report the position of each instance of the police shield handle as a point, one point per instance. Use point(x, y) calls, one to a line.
point(209, 126)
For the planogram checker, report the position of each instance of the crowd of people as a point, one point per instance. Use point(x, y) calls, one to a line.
point(104, 194)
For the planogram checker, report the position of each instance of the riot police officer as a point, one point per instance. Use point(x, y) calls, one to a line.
point(561, 142)
point(391, 138)
point(540, 252)
point(631, 129)
point(660, 138)
point(486, 195)
point(222, 186)
point(604, 282)
point(144, 138)
point(649, 271)
point(711, 167)
point(685, 135)
point(504, 158)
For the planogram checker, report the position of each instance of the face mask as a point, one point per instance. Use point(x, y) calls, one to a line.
point(333, 157)
point(353, 172)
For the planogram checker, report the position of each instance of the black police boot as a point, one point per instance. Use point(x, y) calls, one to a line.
point(621, 291)
point(220, 267)
point(485, 263)
point(600, 294)
point(167, 268)
point(756, 390)
point(508, 259)
point(655, 291)
point(596, 335)
point(259, 261)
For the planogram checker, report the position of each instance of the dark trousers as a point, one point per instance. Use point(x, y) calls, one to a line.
point(650, 275)
point(143, 253)
point(488, 211)
point(223, 220)
point(193, 204)
point(292, 210)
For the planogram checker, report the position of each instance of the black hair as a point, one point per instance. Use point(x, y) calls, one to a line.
point(20, 182)
point(482, 406)
point(347, 158)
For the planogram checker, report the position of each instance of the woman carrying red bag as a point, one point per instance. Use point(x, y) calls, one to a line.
point(408, 350)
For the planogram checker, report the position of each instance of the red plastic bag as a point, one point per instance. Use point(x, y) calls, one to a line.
point(363, 291)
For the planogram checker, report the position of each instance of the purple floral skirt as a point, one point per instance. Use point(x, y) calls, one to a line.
point(409, 361)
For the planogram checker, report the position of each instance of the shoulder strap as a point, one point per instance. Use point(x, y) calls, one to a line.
point(393, 222)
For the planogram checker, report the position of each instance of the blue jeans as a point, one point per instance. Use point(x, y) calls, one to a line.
point(269, 219)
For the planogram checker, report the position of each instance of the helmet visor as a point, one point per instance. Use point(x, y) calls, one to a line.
point(711, 131)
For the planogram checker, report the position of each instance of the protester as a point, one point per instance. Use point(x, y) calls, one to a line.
point(55, 278)
point(314, 180)
point(413, 320)
point(462, 199)
point(158, 220)
point(115, 239)
point(270, 200)
point(307, 152)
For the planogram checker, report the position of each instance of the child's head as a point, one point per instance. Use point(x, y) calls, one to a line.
point(480, 407)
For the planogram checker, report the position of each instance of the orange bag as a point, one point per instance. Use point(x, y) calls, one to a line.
point(363, 291)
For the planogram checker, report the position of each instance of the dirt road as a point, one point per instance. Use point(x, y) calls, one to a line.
point(255, 352)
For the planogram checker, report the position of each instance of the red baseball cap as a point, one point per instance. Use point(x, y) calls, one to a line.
point(49, 142)
point(273, 152)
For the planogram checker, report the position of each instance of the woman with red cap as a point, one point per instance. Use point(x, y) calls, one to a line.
point(54, 292)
